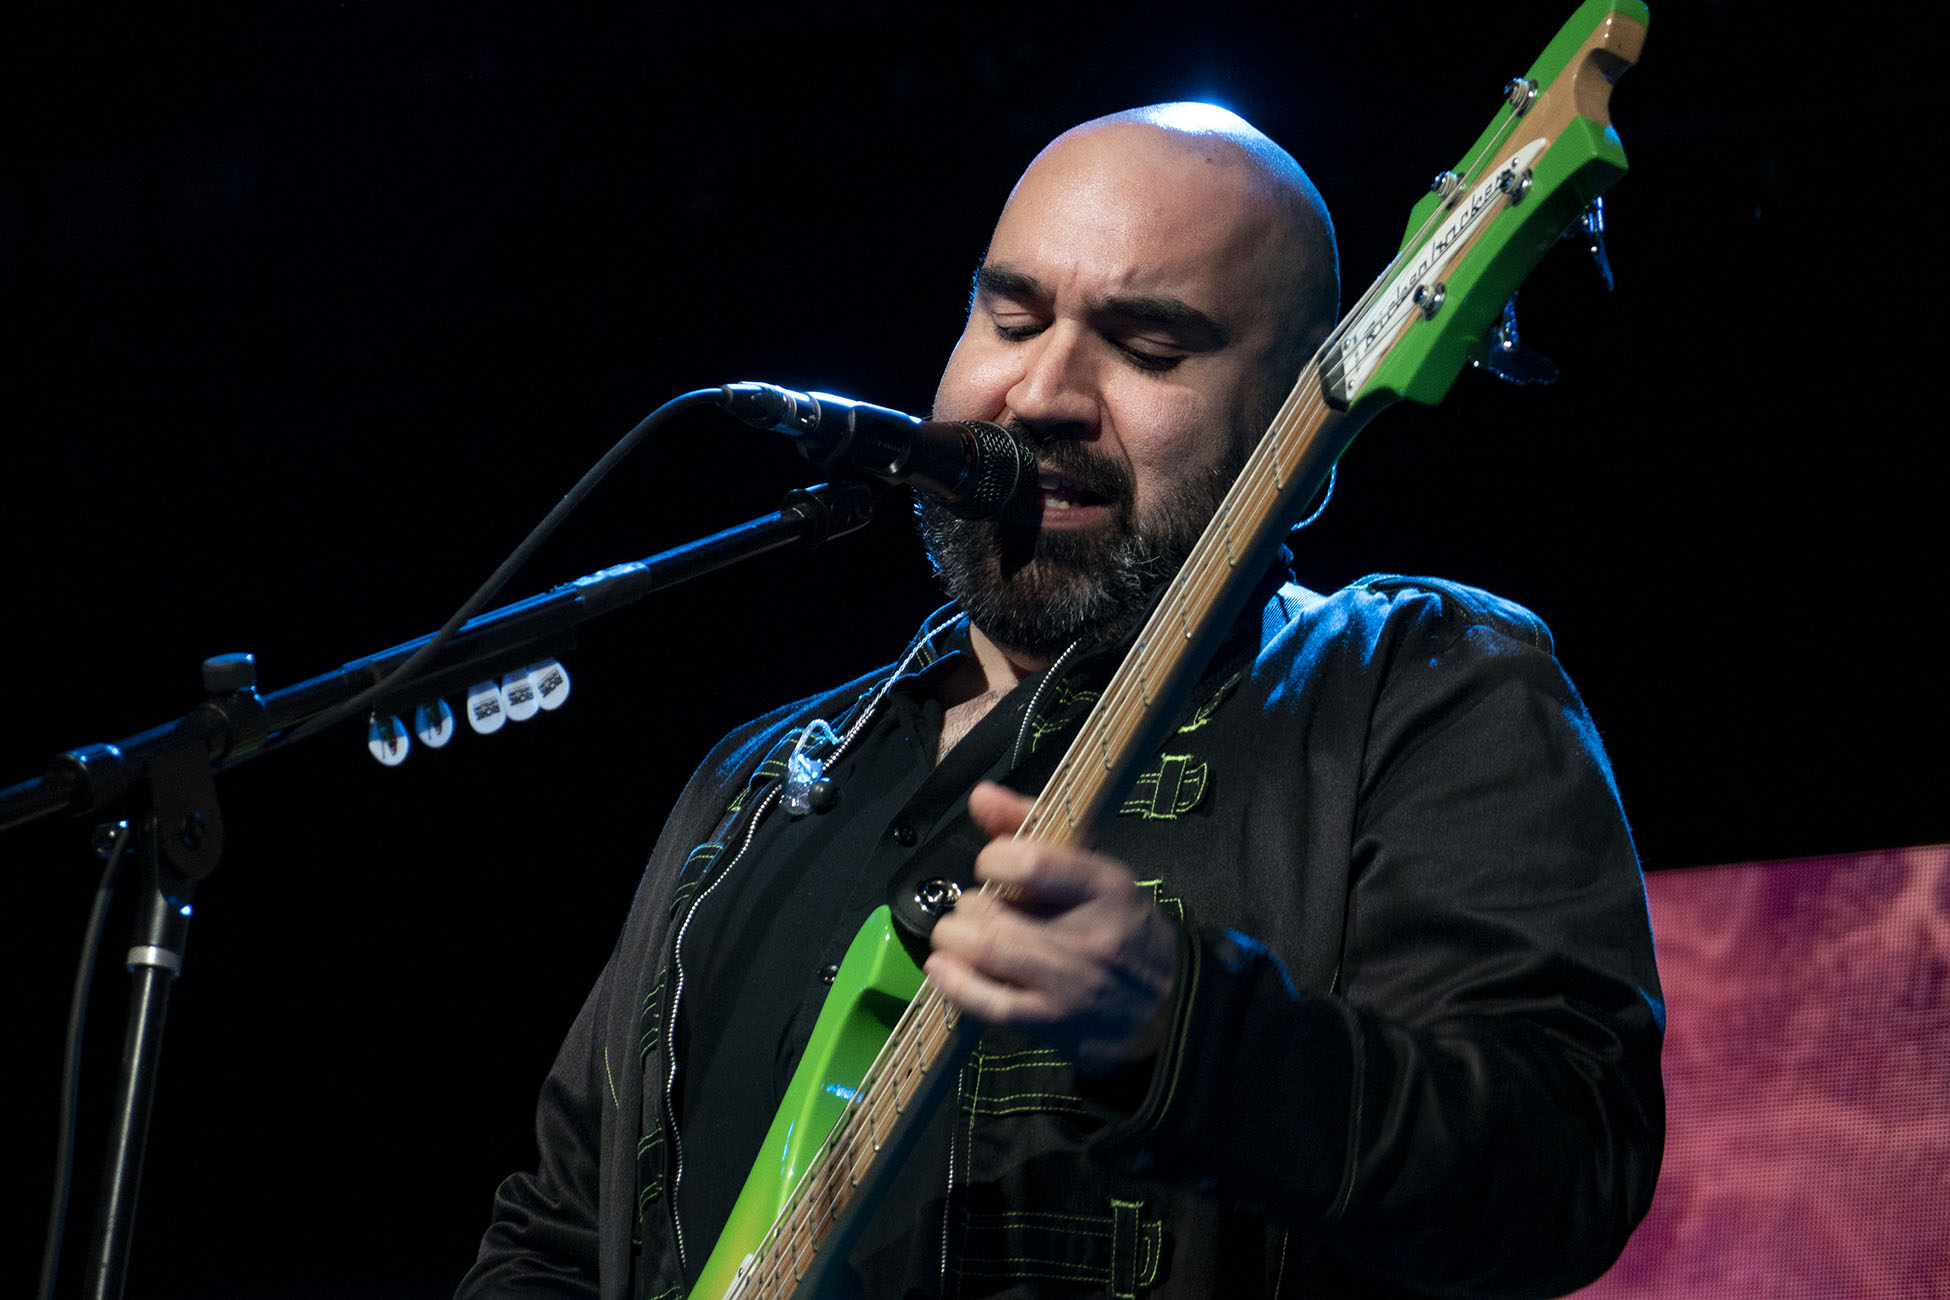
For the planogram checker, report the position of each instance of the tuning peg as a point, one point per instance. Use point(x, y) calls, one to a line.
point(1590, 230)
point(487, 712)
point(386, 738)
point(551, 684)
point(1504, 355)
point(433, 724)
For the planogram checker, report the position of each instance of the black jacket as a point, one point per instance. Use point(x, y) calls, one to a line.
point(1415, 1045)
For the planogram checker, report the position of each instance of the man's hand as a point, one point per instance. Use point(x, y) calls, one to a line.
point(1064, 944)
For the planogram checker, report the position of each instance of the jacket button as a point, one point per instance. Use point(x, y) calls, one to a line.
point(904, 835)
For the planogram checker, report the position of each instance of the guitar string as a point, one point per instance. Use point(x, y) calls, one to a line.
point(1261, 470)
point(791, 1219)
point(827, 1190)
point(821, 1187)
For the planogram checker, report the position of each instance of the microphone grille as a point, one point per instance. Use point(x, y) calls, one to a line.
point(1004, 468)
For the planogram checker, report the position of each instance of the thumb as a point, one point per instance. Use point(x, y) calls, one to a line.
point(997, 810)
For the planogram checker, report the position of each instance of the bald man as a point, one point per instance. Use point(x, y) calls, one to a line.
point(1354, 996)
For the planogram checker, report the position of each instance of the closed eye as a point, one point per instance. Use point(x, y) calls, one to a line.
point(1156, 362)
point(1019, 307)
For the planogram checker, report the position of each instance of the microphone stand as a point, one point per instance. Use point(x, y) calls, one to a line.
point(168, 772)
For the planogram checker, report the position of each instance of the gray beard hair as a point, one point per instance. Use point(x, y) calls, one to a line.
point(1034, 591)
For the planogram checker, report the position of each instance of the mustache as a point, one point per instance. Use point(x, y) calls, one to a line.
point(1093, 472)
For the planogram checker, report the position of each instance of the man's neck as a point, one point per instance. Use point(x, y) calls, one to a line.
point(1002, 668)
point(969, 694)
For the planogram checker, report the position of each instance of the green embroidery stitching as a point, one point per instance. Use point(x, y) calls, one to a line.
point(1052, 1270)
point(1031, 1055)
point(1051, 1062)
point(653, 1013)
point(1203, 713)
point(1134, 1260)
point(770, 768)
point(1123, 1269)
point(1049, 1102)
point(1168, 791)
point(979, 1102)
point(1043, 1218)
point(1170, 902)
point(1063, 710)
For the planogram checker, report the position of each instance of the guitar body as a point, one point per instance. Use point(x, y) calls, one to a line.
point(876, 981)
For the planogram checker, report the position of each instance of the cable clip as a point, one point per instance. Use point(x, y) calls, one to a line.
point(806, 786)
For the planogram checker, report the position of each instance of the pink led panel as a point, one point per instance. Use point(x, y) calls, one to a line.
point(1807, 1072)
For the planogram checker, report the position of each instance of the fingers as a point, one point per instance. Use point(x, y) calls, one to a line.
point(1044, 877)
point(1033, 872)
point(997, 810)
point(1059, 940)
point(985, 999)
point(1100, 1009)
point(1088, 979)
point(997, 942)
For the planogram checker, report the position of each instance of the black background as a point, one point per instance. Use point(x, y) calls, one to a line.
point(311, 310)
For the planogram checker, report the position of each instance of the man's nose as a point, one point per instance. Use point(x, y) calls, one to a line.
point(1057, 392)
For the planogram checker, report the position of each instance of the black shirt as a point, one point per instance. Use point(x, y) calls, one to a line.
point(762, 945)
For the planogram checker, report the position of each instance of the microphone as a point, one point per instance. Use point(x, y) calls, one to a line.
point(973, 467)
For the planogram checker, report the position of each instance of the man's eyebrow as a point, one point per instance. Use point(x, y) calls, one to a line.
point(1190, 326)
point(1005, 283)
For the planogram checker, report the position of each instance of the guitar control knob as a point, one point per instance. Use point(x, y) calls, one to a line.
point(937, 896)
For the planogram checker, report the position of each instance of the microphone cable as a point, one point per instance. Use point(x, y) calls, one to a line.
point(488, 590)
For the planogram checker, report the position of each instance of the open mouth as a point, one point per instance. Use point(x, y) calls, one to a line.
point(1061, 492)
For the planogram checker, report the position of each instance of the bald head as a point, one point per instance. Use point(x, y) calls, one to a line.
point(1183, 149)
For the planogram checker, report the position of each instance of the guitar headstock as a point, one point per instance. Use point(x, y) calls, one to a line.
point(1545, 156)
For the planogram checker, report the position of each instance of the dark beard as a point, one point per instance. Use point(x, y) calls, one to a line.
point(1035, 591)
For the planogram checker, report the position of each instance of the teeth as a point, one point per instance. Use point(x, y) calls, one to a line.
point(1060, 493)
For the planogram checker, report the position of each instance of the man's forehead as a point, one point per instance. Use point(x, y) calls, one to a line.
point(1128, 207)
